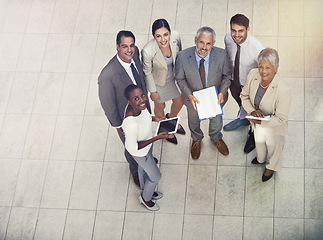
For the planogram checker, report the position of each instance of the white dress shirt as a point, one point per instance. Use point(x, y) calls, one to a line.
point(127, 67)
point(249, 52)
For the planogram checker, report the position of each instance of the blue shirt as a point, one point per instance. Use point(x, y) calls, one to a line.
point(206, 64)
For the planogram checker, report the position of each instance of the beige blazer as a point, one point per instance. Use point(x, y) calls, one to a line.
point(275, 102)
point(154, 63)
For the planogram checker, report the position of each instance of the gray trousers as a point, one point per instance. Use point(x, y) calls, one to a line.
point(215, 124)
point(149, 174)
point(133, 165)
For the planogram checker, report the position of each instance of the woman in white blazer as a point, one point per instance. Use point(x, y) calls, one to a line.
point(158, 57)
point(266, 94)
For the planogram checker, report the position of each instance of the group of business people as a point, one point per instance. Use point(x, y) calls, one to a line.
point(170, 73)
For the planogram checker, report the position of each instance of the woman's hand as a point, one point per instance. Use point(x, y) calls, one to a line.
point(256, 113)
point(163, 135)
point(154, 96)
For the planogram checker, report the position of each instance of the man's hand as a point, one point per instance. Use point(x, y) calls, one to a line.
point(220, 97)
point(193, 100)
point(154, 96)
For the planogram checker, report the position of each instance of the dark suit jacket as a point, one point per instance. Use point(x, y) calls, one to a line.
point(113, 80)
point(188, 77)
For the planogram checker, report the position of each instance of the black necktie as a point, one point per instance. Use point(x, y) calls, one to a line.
point(136, 75)
point(236, 68)
point(202, 72)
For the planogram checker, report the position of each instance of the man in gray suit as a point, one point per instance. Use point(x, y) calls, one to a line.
point(122, 70)
point(198, 67)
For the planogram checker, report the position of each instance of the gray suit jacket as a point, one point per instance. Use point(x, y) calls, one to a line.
point(187, 73)
point(113, 80)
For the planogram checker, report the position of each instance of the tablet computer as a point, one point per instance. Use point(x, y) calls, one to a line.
point(169, 125)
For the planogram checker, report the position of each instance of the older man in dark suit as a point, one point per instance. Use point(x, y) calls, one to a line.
point(199, 67)
point(122, 70)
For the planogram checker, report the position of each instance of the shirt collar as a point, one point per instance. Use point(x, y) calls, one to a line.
point(198, 58)
point(245, 43)
point(125, 65)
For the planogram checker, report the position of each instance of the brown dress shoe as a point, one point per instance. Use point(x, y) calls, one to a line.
point(222, 147)
point(196, 149)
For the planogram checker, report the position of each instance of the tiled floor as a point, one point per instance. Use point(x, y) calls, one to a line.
point(62, 171)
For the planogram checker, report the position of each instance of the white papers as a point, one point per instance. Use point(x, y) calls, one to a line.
point(266, 118)
point(208, 106)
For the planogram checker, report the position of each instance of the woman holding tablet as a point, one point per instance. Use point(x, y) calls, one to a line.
point(158, 57)
point(137, 126)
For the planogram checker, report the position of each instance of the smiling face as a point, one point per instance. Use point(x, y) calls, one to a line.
point(267, 71)
point(239, 33)
point(126, 49)
point(204, 44)
point(137, 100)
point(162, 37)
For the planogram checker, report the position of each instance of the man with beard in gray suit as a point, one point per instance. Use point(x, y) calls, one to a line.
point(199, 67)
point(122, 70)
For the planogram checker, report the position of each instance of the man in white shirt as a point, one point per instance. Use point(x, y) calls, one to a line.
point(243, 51)
point(122, 70)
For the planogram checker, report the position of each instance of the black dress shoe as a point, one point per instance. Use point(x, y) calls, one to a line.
point(172, 140)
point(250, 144)
point(255, 161)
point(266, 178)
point(180, 130)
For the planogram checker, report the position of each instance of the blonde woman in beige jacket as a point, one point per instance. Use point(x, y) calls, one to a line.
point(265, 93)
point(158, 57)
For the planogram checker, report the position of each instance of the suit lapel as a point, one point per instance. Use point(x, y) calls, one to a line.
point(194, 69)
point(123, 75)
point(212, 68)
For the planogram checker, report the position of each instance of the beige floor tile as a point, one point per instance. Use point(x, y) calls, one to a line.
point(296, 88)
point(271, 42)
point(22, 223)
point(313, 60)
point(291, 56)
point(29, 189)
point(3, 9)
point(227, 228)
point(114, 187)
point(197, 227)
point(291, 12)
point(4, 217)
point(79, 224)
point(57, 52)
point(135, 9)
point(313, 141)
point(133, 204)
point(40, 16)
point(113, 17)
point(39, 137)
point(82, 53)
point(293, 153)
point(264, 228)
point(48, 93)
point(66, 138)
point(22, 93)
point(93, 105)
point(265, 23)
point(108, 225)
point(188, 39)
point(288, 228)
point(9, 174)
point(141, 39)
point(289, 193)
point(313, 229)
point(89, 16)
point(312, 17)
point(230, 109)
point(134, 228)
point(313, 193)
point(166, 9)
point(64, 16)
point(188, 23)
point(86, 184)
point(167, 226)
point(200, 189)
point(259, 196)
point(6, 81)
point(213, 13)
point(31, 54)
point(13, 135)
point(74, 94)
point(173, 186)
point(243, 7)
point(16, 16)
point(50, 224)
point(313, 99)
point(115, 149)
point(10, 44)
point(93, 138)
point(58, 183)
point(230, 192)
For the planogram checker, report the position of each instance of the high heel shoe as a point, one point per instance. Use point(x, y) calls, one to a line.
point(266, 178)
point(172, 140)
point(155, 207)
point(180, 130)
point(156, 196)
